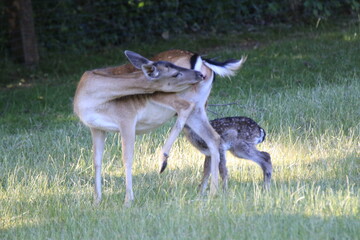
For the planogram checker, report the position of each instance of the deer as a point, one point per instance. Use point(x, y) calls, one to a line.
point(239, 135)
point(138, 113)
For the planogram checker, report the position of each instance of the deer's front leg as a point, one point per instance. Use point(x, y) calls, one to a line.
point(199, 123)
point(184, 109)
point(98, 139)
point(128, 143)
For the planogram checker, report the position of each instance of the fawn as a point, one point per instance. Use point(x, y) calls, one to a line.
point(239, 135)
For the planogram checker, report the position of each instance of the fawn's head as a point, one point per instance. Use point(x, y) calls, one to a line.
point(167, 74)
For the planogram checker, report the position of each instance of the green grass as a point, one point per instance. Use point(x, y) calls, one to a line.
point(301, 85)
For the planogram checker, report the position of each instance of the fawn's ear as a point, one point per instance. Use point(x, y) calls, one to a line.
point(150, 71)
point(136, 59)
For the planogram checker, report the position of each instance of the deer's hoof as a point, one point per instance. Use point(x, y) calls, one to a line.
point(163, 166)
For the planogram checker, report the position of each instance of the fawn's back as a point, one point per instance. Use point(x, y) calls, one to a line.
point(231, 130)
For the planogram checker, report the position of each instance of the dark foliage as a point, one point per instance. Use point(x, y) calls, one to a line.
point(84, 24)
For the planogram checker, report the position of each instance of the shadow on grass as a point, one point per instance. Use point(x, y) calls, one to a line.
point(170, 201)
point(66, 220)
point(183, 182)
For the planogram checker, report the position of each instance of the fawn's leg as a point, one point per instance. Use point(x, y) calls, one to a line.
point(206, 175)
point(248, 151)
point(266, 166)
point(223, 169)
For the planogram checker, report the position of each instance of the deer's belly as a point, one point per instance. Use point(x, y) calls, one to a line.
point(100, 121)
point(151, 117)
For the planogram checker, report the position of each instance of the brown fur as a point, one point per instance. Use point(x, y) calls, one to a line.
point(111, 110)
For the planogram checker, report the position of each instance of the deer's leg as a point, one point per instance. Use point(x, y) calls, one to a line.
point(206, 175)
point(223, 169)
point(183, 109)
point(98, 139)
point(249, 151)
point(199, 123)
point(266, 166)
point(128, 144)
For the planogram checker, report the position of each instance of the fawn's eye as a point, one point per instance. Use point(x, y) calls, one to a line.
point(178, 74)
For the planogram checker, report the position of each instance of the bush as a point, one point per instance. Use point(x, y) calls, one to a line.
point(83, 24)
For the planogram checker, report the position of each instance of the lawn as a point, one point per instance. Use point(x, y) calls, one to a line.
point(301, 84)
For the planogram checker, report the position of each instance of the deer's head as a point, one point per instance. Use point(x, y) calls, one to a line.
point(166, 73)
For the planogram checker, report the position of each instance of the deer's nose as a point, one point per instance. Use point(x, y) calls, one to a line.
point(201, 76)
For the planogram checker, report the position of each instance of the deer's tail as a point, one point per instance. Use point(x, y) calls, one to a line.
point(227, 68)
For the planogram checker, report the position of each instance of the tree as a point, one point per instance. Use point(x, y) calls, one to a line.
point(22, 31)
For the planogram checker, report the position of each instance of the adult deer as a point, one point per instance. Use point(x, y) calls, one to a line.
point(239, 135)
point(136, 114)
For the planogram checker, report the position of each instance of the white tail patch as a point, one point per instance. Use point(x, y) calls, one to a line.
point(198, 64)
point(261, 138)
point(226, 69)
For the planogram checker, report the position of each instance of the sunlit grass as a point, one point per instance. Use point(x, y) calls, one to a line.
point(48, 181)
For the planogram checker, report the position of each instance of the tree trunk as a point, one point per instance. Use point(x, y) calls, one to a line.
point(22, 32)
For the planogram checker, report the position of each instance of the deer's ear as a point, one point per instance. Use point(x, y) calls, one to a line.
point(136, 59)
point(151, 72)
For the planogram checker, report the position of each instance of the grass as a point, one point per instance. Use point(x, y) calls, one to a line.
point(301, 84)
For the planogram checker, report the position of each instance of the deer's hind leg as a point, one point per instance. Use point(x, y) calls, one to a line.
point(199, 123)
point(248, 151)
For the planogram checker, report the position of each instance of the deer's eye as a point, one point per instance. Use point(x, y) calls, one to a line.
point(178, 74)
